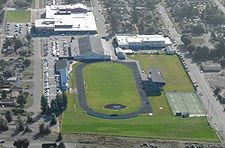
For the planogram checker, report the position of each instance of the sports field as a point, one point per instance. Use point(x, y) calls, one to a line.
point(110, 83)
point(18, 16)
point(162, 125)
point(185, 102)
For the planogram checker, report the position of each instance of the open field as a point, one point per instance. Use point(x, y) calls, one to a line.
point(162, 125)
point(18, 16)
point(110, 83)
point(173, 73)
point(198, 40)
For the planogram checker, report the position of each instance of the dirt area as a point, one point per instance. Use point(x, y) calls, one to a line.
point(97, 141)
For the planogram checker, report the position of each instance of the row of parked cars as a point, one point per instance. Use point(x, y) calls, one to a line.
point(46, 78)
point(55, 48)
point(188, 70)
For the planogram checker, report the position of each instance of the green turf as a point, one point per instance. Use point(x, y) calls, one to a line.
point(110, 83)
point(162, 125)
point(160, 105)
point(18, 16)
point(173, 73)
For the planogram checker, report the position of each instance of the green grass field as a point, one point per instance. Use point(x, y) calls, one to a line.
point(75, 120)
point(171, 69)
point(18, 16)
point(110, 83)
point(173, 74)
point(162, 125)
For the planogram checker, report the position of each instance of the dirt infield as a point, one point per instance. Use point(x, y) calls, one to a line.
point(145, 107)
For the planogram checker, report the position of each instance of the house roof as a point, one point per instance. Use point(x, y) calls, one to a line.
point(90, 44)
point(60, 64)
point(211, 66)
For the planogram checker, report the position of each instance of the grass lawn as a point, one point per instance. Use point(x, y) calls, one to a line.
point(162, 125)
point(170, 66)
point(110, 83)
point(18, 16)
point(198, 40)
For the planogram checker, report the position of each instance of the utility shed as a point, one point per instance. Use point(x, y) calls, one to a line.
point(61, 68)
point(210, 66)
point(153, 82)
point(90, 49)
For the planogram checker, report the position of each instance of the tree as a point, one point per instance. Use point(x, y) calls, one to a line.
point(64, 100)
point(29, 118)
point(53, 119)
point(26, 62)
point(217, 91)
point(217, 19)
point(20, 123)
point(21, 143)
point(54, 107)
point(43, 129)
point(186, 39)
point(59, 104)
point(44, 104)
point(8, 42)
point(9, 73)
point(22, 99)
point(59, 138)
point(201, 53)
point(61, 145)
point(27, 129)
point(4, 94)
point(198, 29)
point(18, 44)
point(3, 123)
point(9, 115)
point(191, 48)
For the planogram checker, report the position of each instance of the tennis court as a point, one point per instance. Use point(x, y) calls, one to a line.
point(185, 103)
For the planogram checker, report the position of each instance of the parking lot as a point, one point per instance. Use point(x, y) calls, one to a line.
point(53, 48)
point(17, 29)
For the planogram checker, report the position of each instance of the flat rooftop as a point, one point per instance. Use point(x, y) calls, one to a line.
point(67, 18)
point(129, 39)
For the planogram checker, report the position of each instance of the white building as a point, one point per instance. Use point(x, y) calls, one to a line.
point(139, 42)
point(67, 18)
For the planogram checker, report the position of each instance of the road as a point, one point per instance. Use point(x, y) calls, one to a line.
point(101, 26)
point(37, 93)
point(216, 116)
point(220, 6)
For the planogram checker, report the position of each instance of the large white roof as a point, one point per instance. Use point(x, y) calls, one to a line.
point(74, 20)
point(129, 39)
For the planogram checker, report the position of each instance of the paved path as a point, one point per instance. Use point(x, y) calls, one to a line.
point(144, 109)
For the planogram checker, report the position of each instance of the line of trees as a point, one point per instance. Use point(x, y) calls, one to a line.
point(57, 105)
